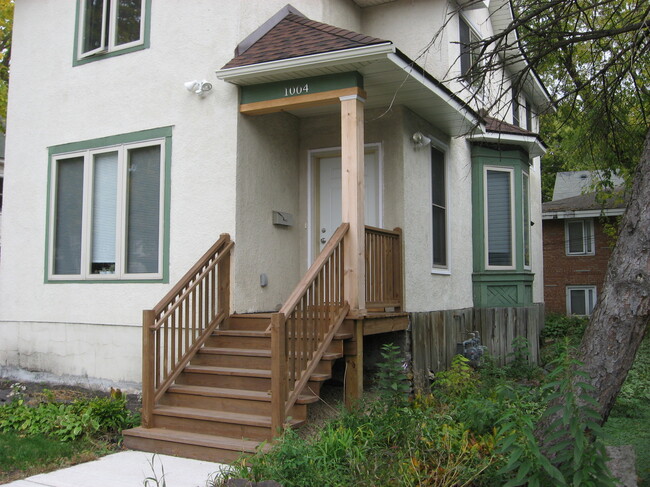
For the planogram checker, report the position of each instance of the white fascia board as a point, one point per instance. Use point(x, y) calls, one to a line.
point(562, 215)
point(363, 54)
point(531, 143)
point(442, 94)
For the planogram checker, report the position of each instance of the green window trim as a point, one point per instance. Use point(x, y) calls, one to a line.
point(501, 285)
point(161, 137)
point(79, 58)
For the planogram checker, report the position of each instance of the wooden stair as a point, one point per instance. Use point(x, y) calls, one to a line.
point(219, 407)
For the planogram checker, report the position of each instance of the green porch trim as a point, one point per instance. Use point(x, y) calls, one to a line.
point(494, 287)
point(76, 61)
point(101, 142)
point(300, 86)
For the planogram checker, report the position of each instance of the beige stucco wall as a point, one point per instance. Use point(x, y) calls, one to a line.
point(267, 180)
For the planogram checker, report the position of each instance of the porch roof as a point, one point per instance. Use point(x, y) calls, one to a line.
point(291, 46)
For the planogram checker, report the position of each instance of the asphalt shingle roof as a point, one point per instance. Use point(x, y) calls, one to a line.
point(296, 36)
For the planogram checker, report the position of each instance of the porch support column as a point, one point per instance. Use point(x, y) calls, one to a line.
point(353, 198)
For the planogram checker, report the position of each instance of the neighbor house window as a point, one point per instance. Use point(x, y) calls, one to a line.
point(580, 300)
point(438, 208)
point(469, 52)
point(579, 236)
point(106, 212)
point(110, 25)
point(499, 221)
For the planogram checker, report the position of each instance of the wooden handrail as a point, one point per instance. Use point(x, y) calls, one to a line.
point(305, 325)
point(182, 321)
point(314, 269)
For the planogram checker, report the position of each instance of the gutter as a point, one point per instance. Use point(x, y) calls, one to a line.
point(239, 75)
point(561, 215)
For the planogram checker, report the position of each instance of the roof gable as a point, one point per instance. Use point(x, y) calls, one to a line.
point(294, 36)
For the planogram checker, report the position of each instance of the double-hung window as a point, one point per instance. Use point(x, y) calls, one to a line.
point(469, 52)
point(107, 26)
point(499, 222)
point(580, 300)
point(107, 212)
point(438, 209)
point(579, 237)
point(515, 108)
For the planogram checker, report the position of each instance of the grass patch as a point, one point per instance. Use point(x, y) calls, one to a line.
point(51, 430)
point(25, 455)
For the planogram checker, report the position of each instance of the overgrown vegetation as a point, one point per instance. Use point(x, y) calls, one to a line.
point(474, 428)
point(50, 433)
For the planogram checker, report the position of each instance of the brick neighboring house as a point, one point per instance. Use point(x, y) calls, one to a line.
point(576, 247)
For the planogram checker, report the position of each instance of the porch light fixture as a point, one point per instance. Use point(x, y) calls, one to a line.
point(199, 87)
point(420, 140)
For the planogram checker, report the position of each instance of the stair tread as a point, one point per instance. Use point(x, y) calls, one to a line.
point(242, 333)
point(210, 441)
point(253, 352)
point(233, 393)
point(236, 371)
point(221, 416)
point(211, 369)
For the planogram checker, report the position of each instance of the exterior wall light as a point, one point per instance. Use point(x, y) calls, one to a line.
point(201, 88)
point(420, 140)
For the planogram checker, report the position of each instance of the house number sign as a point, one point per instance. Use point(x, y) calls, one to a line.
point(299, 87)
point(296, 90)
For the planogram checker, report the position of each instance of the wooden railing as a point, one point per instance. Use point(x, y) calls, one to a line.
point(305, 326)
point(181, 322)
point(383, 269)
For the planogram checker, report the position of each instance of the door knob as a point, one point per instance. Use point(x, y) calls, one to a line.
point(323, 240)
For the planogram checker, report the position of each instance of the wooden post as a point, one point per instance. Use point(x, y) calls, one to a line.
point(352, 200)
point(224, 282)
point(278, 371)
point(398, 269)
point(354, 366)
point(148, 373)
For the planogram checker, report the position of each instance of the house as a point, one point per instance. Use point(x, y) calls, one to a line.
point(2, 178)
point(342, 190)
point(577, 245)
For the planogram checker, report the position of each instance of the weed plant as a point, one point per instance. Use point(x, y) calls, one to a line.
point(83, 418)
point(475, 428)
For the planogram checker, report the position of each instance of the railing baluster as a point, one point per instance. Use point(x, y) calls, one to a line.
point(182, 321)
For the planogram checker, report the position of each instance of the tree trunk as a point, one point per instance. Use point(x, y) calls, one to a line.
point(618, 323)
point(622, 313)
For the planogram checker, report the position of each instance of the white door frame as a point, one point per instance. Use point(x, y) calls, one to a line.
point(315, 154)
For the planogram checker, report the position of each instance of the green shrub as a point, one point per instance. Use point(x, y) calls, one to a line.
point(67, 422)
point(392, 383)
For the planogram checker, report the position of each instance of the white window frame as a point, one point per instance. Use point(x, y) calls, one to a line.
point(513, 243)
point(110, 10)
point(587, 290)
point(526, 230)
point(466, 77)
point(443, 148)
point(589, 243)
point(121, 216)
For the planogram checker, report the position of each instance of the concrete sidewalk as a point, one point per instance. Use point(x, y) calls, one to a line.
point(128, 469)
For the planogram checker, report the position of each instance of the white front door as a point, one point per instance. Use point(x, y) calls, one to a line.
point(330, 195)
